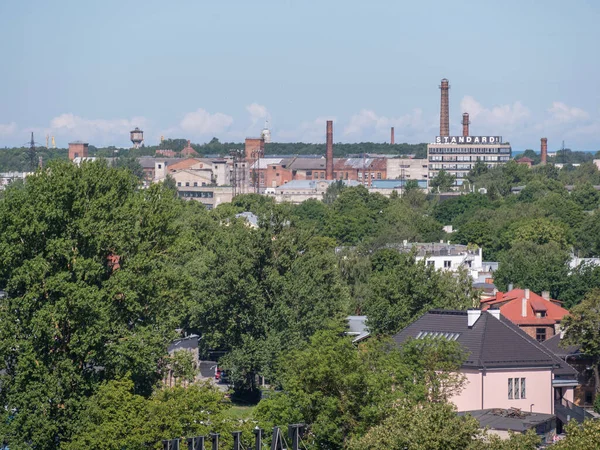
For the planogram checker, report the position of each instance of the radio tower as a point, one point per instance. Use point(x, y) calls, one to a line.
point(31, 154)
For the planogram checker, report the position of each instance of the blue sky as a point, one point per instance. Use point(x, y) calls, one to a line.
point(196, 69)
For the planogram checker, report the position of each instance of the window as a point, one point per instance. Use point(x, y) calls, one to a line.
point(589, 398)
point(379, 175)
point(430, 263)
point(179, 183)
point(322, 175)
point(447, 264)
point(160, 166)
point(540, 334)
point(195, 184)
point(309, 173)
point(513, 388)
point(187, 183)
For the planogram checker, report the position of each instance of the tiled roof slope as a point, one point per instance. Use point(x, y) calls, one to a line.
point(489, 343)
point(511, 306)
point(553, 344)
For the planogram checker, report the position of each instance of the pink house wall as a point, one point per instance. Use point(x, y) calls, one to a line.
point(493, 385)
point(538, 390)
point(470, 397)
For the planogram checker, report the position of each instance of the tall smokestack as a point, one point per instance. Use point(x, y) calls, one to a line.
point(544, 150)
point(445, 109)
point(465, 124)
point(329, 152)
point(392, 137)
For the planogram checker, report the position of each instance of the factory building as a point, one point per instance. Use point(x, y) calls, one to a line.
point(457, 155)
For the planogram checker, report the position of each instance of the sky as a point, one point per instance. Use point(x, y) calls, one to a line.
point(196, 69)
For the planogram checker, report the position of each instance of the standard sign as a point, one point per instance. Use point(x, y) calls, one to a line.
point(468, 139)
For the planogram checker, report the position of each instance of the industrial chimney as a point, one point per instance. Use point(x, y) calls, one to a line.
point(544, 150)
point(465, 124)
point(445, 110)
point(329, 152)
point(392, 137)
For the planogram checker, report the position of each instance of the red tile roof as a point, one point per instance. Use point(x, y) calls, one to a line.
point(511, 307)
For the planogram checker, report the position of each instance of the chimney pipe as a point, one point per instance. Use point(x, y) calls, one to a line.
point(329, 152)
point(465, 124)
point(544, 150)
point(546, 295)
point(495, 312)
point(392, 137)
point(472, 316)
point(524, 306)
point(445, 110)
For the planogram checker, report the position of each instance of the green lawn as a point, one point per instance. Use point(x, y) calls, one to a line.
point(240, 412)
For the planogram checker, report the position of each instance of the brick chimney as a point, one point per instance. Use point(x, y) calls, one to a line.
point(392, 137)
point(329, 152)
point(444, 108)
point(465, 124)
point(544, 150)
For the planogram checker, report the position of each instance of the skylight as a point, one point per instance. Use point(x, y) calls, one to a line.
point(449, 336)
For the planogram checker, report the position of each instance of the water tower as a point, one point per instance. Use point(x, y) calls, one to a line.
point(265, 134)
point(137, 137)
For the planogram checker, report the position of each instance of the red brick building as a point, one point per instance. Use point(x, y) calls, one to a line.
point(78, 149)
point(538, 315)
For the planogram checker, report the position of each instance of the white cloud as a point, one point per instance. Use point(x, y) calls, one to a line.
point(257, 112)
point(562, 113)
point(496, 119)
point(308, 131)
point(8, 128)
point(368, 121)
point(202, 122)
point(96, 131)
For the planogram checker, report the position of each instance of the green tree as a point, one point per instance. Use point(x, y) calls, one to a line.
point(115, 418)
point(534, 266)
point(130, 164)
point(342, 391)
point(584, 436)
point(86, 268)
point(183, 366)
point(443, 182)
point(583, 329)
point(403, 289)
point(429, 426)
point(586, 196)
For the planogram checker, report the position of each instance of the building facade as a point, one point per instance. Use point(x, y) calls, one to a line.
point(457, 155)
point(504, 368)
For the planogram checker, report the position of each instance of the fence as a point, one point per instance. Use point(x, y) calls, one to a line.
point(278, 441)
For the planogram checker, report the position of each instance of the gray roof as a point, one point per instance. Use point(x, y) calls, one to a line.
point(249, 216)
point(553, 345)
point(503, 419)
point(147, 162)
point(489, 343)
point(357, 328)
point(188, 343)
point(307, 164)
